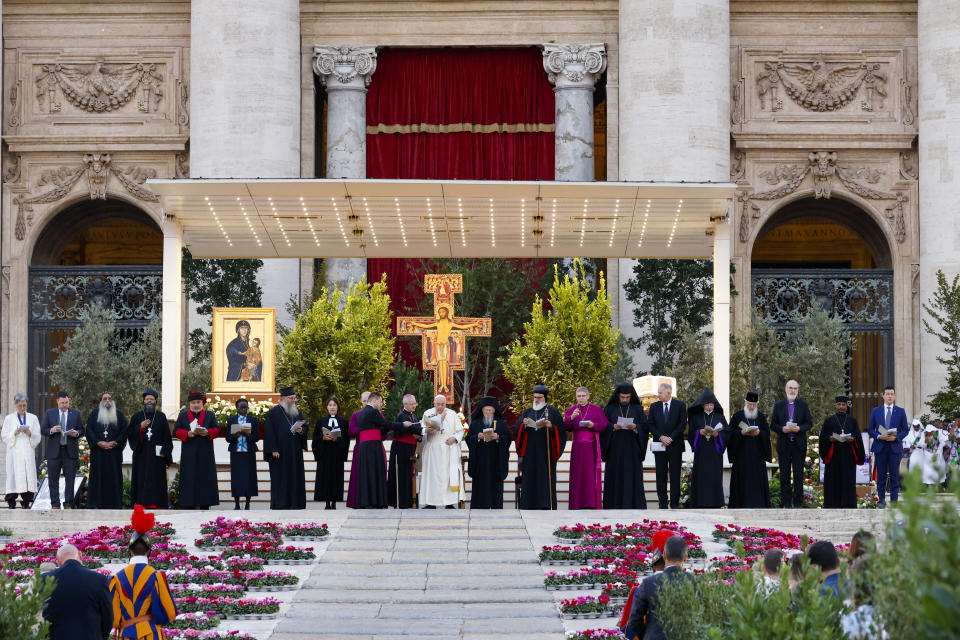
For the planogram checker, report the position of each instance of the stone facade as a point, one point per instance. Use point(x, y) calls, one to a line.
point(788, 100)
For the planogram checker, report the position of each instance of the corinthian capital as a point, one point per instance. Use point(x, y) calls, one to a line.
point(574, 65)
point(345, 65)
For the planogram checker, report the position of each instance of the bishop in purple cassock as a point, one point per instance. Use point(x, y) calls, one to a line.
point(587, 421)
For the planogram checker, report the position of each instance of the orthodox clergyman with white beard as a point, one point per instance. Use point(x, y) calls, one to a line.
point(442, 482)
point(107, 435)
point(748, 447)
point(284, 441)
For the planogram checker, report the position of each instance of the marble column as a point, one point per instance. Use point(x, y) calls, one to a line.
point(573, 70)
point(346, 71)
point(721, 314)
point(938, 50)
point(674, 90)
point(172, 345)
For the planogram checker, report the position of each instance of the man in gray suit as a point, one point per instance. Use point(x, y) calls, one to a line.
point(62, 429)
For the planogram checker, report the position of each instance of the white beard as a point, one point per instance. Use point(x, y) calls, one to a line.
point(791, 398)
point(107, 417)
point(537, 407)
point(487, 421)
point(750, 415)
point(290, 409)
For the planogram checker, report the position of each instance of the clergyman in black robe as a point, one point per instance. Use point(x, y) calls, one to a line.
point(197, 428)
point(541, 440)
point(488, 440)
point(707, 434)
point(284, 442)
point(107, 435)
point(623, 446)
point(403, 450)
point(243, 454)
point(369, 457)
point(330, 452)
point(841, 447)
point(748, 448)
point(149, 437)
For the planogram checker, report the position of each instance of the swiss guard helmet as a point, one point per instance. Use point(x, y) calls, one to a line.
point(142, 522)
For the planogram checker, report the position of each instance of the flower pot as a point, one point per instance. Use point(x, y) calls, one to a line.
point(4, 539)
point(568, 541)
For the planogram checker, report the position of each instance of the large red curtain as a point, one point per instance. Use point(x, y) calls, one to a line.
point(454, 114)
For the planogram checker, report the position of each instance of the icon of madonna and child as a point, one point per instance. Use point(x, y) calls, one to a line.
point(244, 358)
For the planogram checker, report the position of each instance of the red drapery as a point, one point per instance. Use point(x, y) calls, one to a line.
point(455, 114)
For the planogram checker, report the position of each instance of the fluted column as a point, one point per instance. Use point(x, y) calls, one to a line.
point(938, 49)
point(573, 70)
point(346, 71)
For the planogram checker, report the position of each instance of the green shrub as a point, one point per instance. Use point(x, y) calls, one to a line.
point(21, 608)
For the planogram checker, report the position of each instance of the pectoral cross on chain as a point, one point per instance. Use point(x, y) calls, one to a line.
point(149, 432)
point(104, 432)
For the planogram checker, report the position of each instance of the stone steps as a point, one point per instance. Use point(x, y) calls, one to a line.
point(440, 574)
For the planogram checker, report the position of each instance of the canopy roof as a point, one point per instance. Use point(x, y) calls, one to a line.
point(419, 218)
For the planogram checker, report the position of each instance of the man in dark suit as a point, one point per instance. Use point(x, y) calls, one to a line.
point(791, 421)
point(887, 449)
point(667, 418)
point(80, 607)
point(643, 622)
point(62, 427)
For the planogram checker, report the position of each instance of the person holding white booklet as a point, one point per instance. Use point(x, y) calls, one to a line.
point(441, 484)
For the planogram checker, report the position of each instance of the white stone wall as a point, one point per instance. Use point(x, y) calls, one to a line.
point(939, 119)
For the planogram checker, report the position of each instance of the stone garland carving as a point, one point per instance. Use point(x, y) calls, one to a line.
point(183, 109)
point(345, 64)
point(737, 165)
point(12, 174)
point(575, 63)
point(100, 87)
point(823, 167)
point(182, 165)
point(97, 167)
point(5, 274)
point(822, 86)
point(15, 117)
point(908, 165)
point(736, 103)
point(915, 279)
point(908, 114)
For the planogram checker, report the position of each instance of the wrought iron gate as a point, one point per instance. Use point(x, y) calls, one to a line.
point(861, 299)
point(58, 295)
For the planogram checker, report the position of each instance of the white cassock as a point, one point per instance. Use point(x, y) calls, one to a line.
point(21, 463)
point(441, 482)
point(933, 467)
point(914, 443)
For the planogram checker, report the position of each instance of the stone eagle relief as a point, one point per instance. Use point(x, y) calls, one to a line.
point(100, 87)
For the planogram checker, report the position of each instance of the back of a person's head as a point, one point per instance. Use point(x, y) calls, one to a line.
point(860, 544)
point(772, 561)
point(823, 554)
point(139, 548)
point(675, 549)
point(796, 568)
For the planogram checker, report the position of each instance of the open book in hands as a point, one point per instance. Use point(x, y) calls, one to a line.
point(536, 424)
point(297, 425)
point(886, 432)
point(744, 427)
point(331, 432)
point(196, 428)
point(487, 434)
point(841, 437)
point(236, 427)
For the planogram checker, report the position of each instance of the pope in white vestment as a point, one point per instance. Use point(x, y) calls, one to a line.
point(441, 482)
point(21, 447)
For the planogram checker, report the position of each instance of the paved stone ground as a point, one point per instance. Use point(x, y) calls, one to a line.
point(437, 574)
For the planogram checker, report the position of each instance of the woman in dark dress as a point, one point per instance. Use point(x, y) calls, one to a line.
point(330, 452)
point(242, 448)
point(708, 430)
point(489, 454)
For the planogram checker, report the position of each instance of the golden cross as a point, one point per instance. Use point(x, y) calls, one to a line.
point(444, 336)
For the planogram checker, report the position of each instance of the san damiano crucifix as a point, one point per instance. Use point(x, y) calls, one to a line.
point(444, 335)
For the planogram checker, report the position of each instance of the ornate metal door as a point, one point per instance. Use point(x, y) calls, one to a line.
point(862, 300)
point(58, 295)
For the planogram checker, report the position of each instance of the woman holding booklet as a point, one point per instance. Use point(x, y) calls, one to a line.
point(243, 431)
point(330, 443)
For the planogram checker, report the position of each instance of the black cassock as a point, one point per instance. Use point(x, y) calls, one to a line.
point(198, 467)
point(749, 455)
point(149, 469)
point(401, 467)
point(105, 485)
point(536, 463)
point(370, 459)
point(706, 480)
point(330, 456)
point(623, 451)
point(488, 464)
point(840, 460)
point(288, 489)
point(243, 464)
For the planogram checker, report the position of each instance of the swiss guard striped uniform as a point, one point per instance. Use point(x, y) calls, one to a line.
point(142, 603)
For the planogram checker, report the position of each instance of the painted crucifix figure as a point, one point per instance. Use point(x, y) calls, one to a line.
point(444, 335)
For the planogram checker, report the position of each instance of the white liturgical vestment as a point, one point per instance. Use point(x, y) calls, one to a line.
point(441, 482)
point(21, 463)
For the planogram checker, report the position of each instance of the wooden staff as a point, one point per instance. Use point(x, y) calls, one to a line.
point(550, 489)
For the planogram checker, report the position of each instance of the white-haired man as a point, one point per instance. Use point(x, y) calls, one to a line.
point(403, 450)
point(107, 435)
point(441, 484)
point(21, 434)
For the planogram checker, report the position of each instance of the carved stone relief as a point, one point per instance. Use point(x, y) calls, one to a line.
point(12, 172)
point(97, 168)
point(183, 107)
point(738, 163)
point(821, 86)
point(825, 172)
point(99, 87)
point(909, 165)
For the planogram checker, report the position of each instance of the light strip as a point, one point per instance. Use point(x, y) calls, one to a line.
point(336, 212)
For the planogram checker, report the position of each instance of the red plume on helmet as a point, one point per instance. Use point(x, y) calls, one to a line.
point(142, 522)
point(660, 538)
